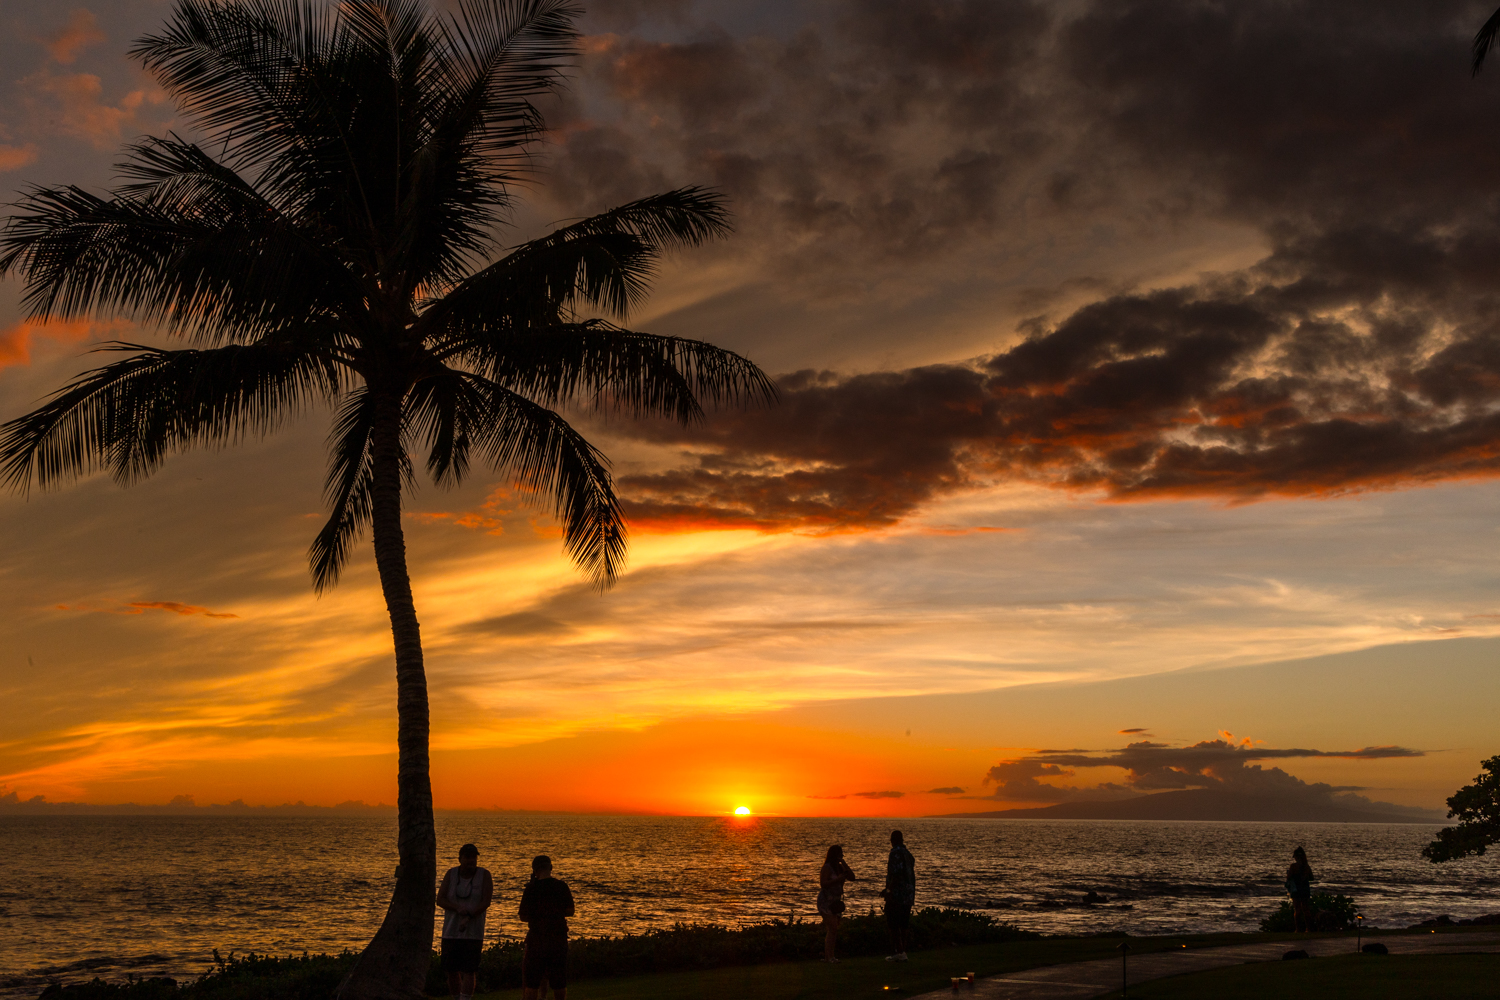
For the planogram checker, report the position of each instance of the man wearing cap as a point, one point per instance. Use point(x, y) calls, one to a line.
point(546, 905)
point(464, 895)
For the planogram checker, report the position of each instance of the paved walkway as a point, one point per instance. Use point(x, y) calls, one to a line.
point(1083, 980)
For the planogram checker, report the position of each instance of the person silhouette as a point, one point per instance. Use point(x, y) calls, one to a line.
point(464, 896)
point(1299, 880)
point(546, 905)
point(831, 878)
point(900, 894)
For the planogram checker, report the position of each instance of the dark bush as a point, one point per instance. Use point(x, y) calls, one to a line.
point(673, 949)
point(1330, 913)
point(707, 946)
point(252, 977)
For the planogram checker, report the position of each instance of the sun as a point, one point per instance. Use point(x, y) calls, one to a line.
point(742, 810)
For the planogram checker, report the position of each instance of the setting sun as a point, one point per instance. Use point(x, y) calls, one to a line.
point(742, 811)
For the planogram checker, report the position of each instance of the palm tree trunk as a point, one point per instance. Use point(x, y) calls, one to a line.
point(394, 965)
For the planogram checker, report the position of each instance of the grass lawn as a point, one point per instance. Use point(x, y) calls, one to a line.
point(1368, 977)
point(869, 977)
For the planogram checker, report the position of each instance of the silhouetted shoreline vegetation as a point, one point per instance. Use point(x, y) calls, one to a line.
point(680, 948)
point(941, 938)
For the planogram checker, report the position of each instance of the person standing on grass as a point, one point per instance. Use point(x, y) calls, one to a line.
point(1299, 880)
point(831, 879)
point(464, 895)
point(900, 894)
point(546, 906)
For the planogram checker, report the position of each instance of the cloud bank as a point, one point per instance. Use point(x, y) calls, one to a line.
point(893, 154)
point(1220, 764)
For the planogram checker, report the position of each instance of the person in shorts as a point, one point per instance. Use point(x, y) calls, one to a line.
point(464, 896)
point(546, 905)
point(1299, 880)
point(900, 894)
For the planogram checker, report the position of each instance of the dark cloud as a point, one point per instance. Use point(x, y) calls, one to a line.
point(912, 142)
point(1153, 767)
point(862, 795)
point(1020, 781)
point(1216, 391)
point(1129, 732)
point(954, 790)
point(872, 132)
point(523, 624)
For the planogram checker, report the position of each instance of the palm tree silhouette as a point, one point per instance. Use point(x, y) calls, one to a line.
point(332, 240)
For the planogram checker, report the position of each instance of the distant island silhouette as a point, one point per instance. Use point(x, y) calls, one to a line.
point(1223, 806)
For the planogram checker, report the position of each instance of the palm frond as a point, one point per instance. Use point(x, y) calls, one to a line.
point(611, 369)
point(128, 416)
point(606, 261)
point(1484, 40)
point(248, 72)
point(501, 54)
point(545, 457)
point(439, 411)
point(189, 245)
point(347, 491)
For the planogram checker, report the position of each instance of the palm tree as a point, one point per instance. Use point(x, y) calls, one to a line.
point(332, 240)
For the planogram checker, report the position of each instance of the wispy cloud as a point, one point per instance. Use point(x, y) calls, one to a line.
point(81, 31)
point(141, 607)
point(16, 157)
point(16, 340)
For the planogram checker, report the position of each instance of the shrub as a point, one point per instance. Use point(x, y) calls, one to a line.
point(671, 949)
point(706, 946)
point(1329, 912)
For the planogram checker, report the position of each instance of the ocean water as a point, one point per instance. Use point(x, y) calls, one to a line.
point(154, 895)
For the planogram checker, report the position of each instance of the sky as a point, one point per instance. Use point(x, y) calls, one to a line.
point(1139, 429)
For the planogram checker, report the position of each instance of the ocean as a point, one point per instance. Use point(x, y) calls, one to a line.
point(155, 895)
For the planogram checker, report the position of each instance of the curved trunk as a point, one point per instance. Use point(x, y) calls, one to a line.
point(394, 965)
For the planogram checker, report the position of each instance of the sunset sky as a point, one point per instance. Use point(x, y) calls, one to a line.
point(1140, 384)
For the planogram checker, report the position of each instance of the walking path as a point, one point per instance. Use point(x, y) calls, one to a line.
point(1082, 980)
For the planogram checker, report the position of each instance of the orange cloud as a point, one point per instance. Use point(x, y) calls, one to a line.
point(141, 607)
point(16, 340)
point(176, 608)
point(83, 111)
point(16, 157)
point(81, 31)
point(490, 517)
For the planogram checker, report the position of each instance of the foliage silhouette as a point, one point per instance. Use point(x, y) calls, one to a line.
point(680, 948)
point(1331, 912)
point(1484, 40)
point(1477, 809)
point(334, 241)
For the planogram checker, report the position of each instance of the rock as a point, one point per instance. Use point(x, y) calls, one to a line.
point(1094, 897)
point(1375, 948)
point(1291, 955)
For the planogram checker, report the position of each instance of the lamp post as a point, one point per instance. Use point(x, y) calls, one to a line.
point(1124, 969)
point(1359, 932)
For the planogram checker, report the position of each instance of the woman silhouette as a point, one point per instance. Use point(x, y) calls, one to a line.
point(831, 881)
